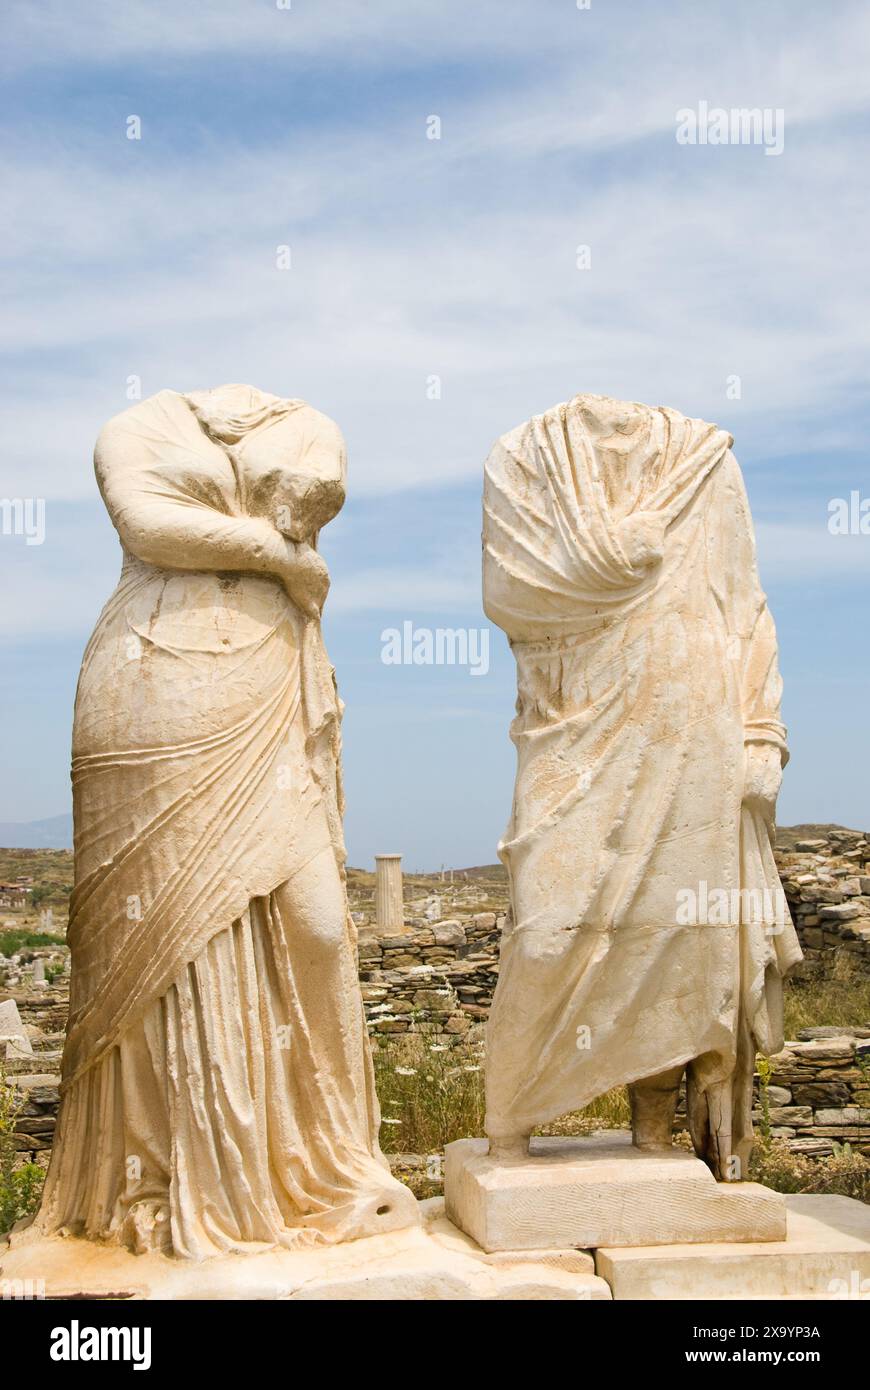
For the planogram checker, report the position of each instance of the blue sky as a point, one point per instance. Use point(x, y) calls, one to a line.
point(457, 258)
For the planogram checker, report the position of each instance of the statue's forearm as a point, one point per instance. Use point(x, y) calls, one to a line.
point(185, 537)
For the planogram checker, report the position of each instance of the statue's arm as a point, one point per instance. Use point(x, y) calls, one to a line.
point(176, 532)
point(753, 645)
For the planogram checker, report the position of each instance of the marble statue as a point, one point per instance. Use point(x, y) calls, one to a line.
point(217, 1137)
point(218, 1092)
point(619, 559)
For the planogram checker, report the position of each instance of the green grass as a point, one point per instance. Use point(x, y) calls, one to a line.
point(20, 1183)
point(15, 939)
point(830, 1003)
point(428, 1097)
point(844, 1173)
point(610, 1111)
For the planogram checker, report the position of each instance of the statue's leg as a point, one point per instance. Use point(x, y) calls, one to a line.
point(508, 1146)
point(722, 1131)
point(321, 1087)
point(653, 1107)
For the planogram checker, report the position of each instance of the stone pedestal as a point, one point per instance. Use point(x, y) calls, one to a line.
point(601, 1191)
point(826, 1255)
point(431, 1262)
point(389, 907)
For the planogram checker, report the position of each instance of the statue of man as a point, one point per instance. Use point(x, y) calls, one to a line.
point(649, 934)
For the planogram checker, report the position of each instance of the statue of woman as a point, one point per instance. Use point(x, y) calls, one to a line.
point(619, 559)
point(218, 1090)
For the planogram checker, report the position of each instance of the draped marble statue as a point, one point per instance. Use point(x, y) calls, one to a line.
point(619, 559)
point(218, 1091)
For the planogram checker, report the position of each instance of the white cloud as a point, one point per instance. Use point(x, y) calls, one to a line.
point(452, 258)
point(102, 31)
point(744, 270)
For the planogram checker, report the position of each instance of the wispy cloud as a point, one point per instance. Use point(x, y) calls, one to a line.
point(416, 259)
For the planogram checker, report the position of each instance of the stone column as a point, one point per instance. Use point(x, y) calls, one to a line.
point(389, 910)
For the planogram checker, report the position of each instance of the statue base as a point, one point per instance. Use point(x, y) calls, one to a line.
point(601, 1192)
point(825, 1256)
point(433, 1261)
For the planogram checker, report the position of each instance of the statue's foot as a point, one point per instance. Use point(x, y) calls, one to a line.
point(504, 1146)
point(147, 1228)
point(657, 1145)
point(653, 1108)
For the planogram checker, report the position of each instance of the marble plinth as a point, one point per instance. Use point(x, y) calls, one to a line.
point(600, 1191)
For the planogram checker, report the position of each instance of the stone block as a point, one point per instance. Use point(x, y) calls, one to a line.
point(780, 1095)
point(430, 1263)
point(796, 1115)
point(821, 1093)
point(14, 1040)
point(847, 1115)
point(841, 912)
point(826, 1255)
point(448, 933)
point(600, 1190)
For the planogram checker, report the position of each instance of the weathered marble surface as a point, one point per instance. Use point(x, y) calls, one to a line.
point(218, 1089)
point(14, 1042)
point(600, 1191)
point(434, 1261)
point(389, 906)
point(826, 1255)
point(619, 559)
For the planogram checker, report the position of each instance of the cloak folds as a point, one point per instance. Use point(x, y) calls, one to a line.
point(218, 1089)
point(201, 795)
point(619, 559)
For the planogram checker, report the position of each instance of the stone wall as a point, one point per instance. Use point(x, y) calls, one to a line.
point(816, 1092)
point(827, 886)
point(437, 980)
point(44, 1014)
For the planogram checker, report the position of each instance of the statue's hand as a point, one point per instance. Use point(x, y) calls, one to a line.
point(306, 578)
point(642, 538)
point(762, 777)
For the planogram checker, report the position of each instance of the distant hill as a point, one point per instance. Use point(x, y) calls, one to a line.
point(54, 833)
point(489, 872)
point(788, 835)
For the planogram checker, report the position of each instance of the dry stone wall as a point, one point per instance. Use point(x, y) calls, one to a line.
point(815, 1094)
point(437, 979)
point(827, 887)
point(818, 1093)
